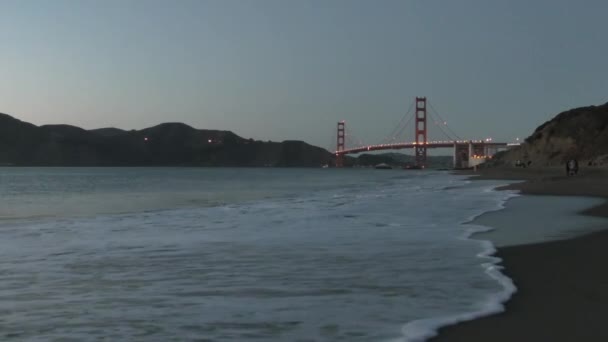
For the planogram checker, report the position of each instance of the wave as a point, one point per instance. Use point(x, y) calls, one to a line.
point(424, 329)
point(304, 248)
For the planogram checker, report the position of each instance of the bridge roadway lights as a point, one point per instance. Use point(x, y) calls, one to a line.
point(464, 151)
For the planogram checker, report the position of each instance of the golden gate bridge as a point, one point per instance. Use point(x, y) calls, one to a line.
point(466, 153)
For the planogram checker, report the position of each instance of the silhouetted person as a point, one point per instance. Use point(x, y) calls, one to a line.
point(572, 167)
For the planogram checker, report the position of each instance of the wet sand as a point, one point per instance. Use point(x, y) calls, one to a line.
point(562, 285)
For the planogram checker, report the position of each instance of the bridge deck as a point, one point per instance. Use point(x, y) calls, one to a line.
point(432, 144)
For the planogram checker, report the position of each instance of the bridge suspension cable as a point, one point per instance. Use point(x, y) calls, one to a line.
point(352, 140)
point(332, 144)
point(445, 123)
point(440, 126)
point(401, 125)
point(463, 151)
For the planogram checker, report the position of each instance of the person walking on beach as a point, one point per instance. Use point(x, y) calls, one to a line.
point(572, 167)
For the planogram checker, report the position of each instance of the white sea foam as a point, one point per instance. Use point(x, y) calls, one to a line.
point(345, 256)
point(424, 329)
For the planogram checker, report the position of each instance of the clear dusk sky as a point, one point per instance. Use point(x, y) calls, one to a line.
point(289, 69)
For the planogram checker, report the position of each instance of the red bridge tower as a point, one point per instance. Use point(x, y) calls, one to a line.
point(340, 143)
point(421, 132)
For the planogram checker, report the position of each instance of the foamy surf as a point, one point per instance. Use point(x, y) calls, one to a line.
point(423, 329)
point(340, 256)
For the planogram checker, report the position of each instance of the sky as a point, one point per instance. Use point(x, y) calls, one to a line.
point(290, 69)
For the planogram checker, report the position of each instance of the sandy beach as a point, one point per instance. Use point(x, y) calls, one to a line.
point(562, 285)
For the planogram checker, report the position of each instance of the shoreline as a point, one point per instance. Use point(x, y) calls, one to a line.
point(592, 182)
point(562, 285)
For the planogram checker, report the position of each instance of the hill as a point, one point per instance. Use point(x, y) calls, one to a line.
point(580, 133)
point(167, 144)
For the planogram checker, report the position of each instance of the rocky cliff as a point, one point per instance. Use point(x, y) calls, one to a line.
point(170, 144)
point(580, 133)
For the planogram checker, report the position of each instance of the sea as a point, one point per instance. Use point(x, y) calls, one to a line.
point(243, 254)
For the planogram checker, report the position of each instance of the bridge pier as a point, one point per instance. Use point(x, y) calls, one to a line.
point(462, 151)
point(472, 153)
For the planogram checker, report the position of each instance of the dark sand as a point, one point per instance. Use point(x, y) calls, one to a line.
point(562, 285)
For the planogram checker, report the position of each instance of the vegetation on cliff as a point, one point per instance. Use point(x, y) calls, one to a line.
point(580, 133)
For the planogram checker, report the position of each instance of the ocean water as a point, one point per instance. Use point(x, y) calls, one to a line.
point(162, 254)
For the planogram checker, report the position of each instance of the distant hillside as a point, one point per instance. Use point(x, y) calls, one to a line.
point(580, 133)
point(170, 144)
point(109, 131)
